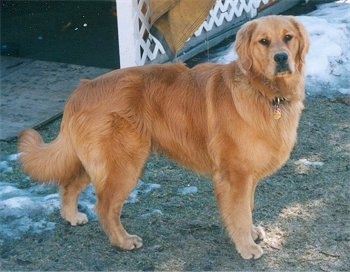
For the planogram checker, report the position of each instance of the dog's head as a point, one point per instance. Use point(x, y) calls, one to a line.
point(273, 46)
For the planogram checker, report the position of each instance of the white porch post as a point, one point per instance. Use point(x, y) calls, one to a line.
point(129, 52)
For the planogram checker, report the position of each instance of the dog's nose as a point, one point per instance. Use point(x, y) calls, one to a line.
point(280, 58)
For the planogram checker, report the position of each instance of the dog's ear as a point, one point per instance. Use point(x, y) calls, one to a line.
point(303, 43)
point(242, 45)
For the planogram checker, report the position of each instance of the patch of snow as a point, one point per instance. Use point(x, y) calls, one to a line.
point(188, 190)
point(25, 210)
point(4, 167)
point(306, 162)
point(13, 157)
point(142, 188)
point(152, 213)
point(22, 211)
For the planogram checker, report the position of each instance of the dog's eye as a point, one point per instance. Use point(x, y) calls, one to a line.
point(265, 42)
point(287, 38)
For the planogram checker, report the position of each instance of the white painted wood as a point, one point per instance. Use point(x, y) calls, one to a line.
point(129, 51)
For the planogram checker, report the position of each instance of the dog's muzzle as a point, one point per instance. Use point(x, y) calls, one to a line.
point(282, 64)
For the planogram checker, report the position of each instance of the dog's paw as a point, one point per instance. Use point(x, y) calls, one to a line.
point(250, 251)
point(131, 242)
point(258, 233)
point(76, 219)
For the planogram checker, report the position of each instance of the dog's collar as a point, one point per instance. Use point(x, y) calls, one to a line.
point(279, 100)
point(277, 112)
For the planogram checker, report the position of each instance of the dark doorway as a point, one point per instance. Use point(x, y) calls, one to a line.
point(76, 32)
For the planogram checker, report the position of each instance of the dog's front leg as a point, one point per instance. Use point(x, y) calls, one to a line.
point(233, 192)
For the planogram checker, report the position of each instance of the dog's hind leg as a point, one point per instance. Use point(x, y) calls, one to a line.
point(69, 192)
point(115, 164)
point(111, 197)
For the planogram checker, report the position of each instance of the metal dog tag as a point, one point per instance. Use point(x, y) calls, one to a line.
point(277, 112)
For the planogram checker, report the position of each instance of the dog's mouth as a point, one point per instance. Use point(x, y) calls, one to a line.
point(282, 70)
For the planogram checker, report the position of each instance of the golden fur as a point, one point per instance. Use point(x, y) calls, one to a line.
point(215, 119)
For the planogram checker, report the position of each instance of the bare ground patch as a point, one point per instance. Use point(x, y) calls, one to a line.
point(304, 209)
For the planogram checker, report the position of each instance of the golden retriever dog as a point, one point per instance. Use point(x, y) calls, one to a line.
point(236, 123)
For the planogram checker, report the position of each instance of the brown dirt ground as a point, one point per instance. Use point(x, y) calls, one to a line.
point(304, 210)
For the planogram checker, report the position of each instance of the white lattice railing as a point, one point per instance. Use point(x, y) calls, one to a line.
point(225, 11)
point(137, 46)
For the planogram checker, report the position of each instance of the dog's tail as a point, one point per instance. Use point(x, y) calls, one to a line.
point(53, 162)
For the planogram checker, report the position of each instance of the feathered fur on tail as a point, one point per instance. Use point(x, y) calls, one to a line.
point(53, 162)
